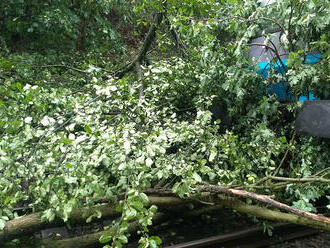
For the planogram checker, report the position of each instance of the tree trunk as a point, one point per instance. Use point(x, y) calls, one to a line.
point(31, 223)
point(145, 47)
point(91, 240)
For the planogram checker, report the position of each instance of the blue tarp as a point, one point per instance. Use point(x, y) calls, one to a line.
point(282, 89)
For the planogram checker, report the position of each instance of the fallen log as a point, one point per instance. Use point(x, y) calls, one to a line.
point(264, 199)
point(265, 213)
point(31, 223)
point(90, 240)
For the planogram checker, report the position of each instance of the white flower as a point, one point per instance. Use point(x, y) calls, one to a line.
point(28, 119)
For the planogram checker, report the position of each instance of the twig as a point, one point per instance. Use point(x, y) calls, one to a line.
point(274, 50)
point(182, 49)
point(300, 180)
point(139, 76)
point(254, 186)
point(320, 172)
point(289, 25)
point(284, 157)
point(64, 66)
point(262, 18)
point(72, 68)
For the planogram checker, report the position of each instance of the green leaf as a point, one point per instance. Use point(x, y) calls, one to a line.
point(106, 238)
point(117, 244)
point(197, 177)
point(181, 188)
point(70, 180)
point(130, 213)
point(153, 209)
point(124, 226)
point(2, 224)
point(49, 215)
point(68, 165)
point(149, 162)
point(153, 243)
point(66, 141)
point(213, 154)
point(137, 205)
point(7, 200)
point(144, 198)
point(157, 239)
point(88, 129)
point(123, 239)
point(120, 207)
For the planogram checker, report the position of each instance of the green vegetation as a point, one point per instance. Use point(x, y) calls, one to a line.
point(92, 109)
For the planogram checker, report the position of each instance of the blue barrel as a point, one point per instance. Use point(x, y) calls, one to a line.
point(282, 89)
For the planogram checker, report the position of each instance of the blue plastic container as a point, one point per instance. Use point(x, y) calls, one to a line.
point(282, 89)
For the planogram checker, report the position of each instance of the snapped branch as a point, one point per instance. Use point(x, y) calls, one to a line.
point(145, 47)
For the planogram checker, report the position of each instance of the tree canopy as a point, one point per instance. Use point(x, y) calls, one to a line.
point(109, 101)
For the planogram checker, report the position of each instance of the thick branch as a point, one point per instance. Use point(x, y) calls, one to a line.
point(268, 214)
point(31, 223)
point(300, 180)
point(90, 240)
point(145, 47)
point(310, 219)
point(265, 199)
point(181, 48)
point(273, 49)
point(139, 76)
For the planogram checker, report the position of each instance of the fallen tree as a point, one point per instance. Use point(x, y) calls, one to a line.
point(31, 223)
point(264, 213)
point(150, 140)
point(211, 195)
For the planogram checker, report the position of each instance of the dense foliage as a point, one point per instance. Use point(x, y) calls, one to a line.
point(72, 133)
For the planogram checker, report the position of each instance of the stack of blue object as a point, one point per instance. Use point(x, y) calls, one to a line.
point(282, 89)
